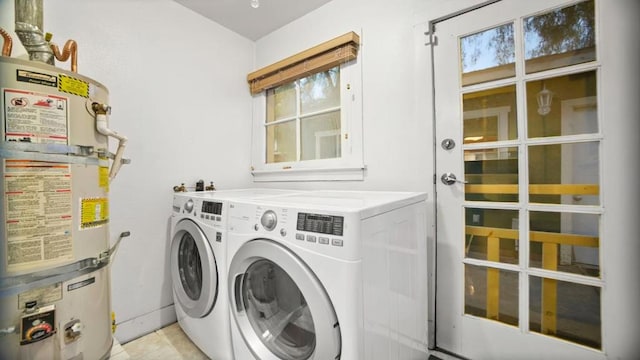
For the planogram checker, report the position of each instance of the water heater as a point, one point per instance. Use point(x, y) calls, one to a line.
point(55, 171)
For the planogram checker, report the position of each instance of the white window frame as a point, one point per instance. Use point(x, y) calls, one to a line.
point(350, 166)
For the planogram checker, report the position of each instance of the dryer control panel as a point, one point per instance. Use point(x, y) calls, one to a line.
point(318, 223)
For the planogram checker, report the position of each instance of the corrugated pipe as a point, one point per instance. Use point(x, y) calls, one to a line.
point(29, 20)
point(7, 44)
point(70, 48)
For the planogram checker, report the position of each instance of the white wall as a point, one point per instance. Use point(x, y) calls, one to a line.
point(397, 93)
point(397, 133)
point(184, 122)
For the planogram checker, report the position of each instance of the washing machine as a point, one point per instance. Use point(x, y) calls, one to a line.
point(198, 265)
point(329, 275)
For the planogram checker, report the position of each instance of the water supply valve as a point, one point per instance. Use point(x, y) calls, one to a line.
point(73, 331)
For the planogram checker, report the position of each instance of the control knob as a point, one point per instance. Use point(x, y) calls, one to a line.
point(269, 220)
point(188, 206)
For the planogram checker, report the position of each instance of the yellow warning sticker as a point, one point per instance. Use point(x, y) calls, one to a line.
point(103, 173)
point(73, 86)
point(94, 212)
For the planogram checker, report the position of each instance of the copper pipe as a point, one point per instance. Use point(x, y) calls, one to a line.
point(70, 48)
point(7, 45)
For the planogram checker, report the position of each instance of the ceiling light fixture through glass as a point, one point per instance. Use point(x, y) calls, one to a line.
point(255, 4)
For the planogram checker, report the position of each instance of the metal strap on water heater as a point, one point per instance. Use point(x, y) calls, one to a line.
point(77, 150)
point(13, 285)
point(72, 154)
point(24, 155)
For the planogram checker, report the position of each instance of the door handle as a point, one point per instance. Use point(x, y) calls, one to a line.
point(450, 179)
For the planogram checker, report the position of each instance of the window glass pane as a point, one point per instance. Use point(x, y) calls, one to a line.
point(567, 242)
point(561, 106)
point(490, 115)
point(320, 136)
point(560, 38)
point(320, 91)
point(281, 142)
point(278, 311)
point(488, 55)
point(565, 173)
point(565, 310)
point(491, 174)
point(491, 293)
point(491, 234)
point(281, 102)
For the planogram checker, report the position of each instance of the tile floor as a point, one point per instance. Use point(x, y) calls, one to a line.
point(168, 343)
point(171, 343)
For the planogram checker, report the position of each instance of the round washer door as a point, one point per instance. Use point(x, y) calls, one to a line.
point(193, 269)
point(281, 308)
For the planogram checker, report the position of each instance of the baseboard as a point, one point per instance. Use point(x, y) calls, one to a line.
point(144, 324)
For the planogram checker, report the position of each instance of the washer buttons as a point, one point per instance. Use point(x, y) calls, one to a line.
point(336, 242)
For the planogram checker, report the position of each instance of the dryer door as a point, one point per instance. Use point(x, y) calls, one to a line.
point(281, 308)
point(193, 269)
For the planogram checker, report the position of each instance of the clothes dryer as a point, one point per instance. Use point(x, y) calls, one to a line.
point(198, 265)
point(329, 275)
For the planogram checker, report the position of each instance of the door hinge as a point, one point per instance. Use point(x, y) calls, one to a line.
point(432, 39)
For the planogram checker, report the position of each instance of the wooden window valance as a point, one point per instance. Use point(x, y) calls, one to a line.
point(318, 58)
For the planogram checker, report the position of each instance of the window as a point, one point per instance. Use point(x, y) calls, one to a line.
point(303, 119)
point(309, 127)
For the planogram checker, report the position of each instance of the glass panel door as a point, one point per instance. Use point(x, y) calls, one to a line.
point(518, 236)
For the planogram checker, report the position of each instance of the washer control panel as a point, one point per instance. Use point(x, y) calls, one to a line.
point(212, 207)
point(209, 211)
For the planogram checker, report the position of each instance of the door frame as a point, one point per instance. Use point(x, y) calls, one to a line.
point(608, 344)
point(432, 246)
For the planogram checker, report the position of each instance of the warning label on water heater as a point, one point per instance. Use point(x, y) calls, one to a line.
point(95, 212)
point(73, 86)
point(35, 118)
point(38, 209)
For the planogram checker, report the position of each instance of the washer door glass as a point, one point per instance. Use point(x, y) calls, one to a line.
point(190, 266)
point(281, 308)
point(193, 270)
point(278, 311)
